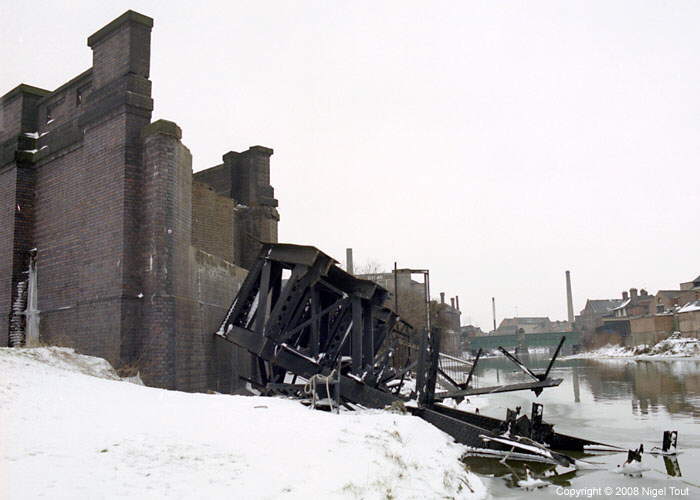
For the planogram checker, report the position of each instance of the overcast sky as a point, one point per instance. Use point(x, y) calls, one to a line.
point(495, 143)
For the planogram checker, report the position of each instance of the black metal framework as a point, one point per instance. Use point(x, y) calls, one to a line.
point(299, 313)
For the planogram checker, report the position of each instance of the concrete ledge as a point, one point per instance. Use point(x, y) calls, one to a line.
point(163, 127)
point(128, 16)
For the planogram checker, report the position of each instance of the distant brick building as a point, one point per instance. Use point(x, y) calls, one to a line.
point(448, 318)
point(108, 243)
point(641, 318)
point(410, 297)
point(688, 319)
point(617, 327)
point(511, 326)
point(635, 304)
point(670, 300)
point(691, 285)
point(591, 316)
point(412, 307)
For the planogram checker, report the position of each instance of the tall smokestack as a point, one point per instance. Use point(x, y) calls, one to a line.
point(452, 302)
point(442, 297)
point(569, 299)
point(348, 261)
point(457, 301)
point(493, 306)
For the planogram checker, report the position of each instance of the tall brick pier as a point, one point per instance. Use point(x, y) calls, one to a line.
point(135, 259)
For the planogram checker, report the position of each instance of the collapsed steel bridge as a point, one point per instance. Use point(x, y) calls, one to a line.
point(303, 317)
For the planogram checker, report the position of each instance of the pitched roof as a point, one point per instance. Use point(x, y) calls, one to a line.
point(602, 305)
point(623, 305)
point(690, 307)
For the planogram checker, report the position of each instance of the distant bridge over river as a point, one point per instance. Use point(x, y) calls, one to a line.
point(510, 342)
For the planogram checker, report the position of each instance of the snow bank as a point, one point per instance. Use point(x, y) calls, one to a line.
point(672, 347)
point(72, 429)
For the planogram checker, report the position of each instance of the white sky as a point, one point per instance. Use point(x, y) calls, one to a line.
point(495, 143)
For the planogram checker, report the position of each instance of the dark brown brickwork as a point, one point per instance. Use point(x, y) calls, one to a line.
point(17, 184)
point(212, 221)
point(7, 226)
point(218, 178)
point(118, 51)
point(245, 178)
point(167, 231)
point(136, 263)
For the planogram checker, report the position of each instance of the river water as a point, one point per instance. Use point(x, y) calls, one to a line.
point(621, 402)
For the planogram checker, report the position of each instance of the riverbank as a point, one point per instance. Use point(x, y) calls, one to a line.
point(71, 428)
point(672, 347)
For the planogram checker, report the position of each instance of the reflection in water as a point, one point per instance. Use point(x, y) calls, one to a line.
point(672, 467)
point(513, 471)
point(651, 385)
point(620, 401)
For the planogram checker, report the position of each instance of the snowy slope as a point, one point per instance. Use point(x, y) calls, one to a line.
point(672, 347)
point(70, 428)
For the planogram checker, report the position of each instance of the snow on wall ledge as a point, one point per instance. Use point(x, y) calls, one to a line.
point(72, 429)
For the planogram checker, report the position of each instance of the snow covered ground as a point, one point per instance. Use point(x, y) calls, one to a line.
point(672, 347)
point(72, 429)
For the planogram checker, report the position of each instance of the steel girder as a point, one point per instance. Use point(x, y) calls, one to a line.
point(298, 311)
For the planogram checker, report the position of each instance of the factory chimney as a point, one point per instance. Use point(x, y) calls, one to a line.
point(348, 261)
point(452, 302)
point(442, 297)
point(457, 301)
point(569, 299)
point(493, 306)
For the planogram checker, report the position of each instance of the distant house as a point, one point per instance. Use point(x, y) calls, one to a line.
point(683, 304)
point(541, 324)
point(472, 331)
point(635, 304)
point(691, 285)
point(622, 326)
point(647, 319)
point(670, 300)
point(591, 316)
point(688, 319)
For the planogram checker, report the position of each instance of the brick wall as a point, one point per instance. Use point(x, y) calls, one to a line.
point(7, 215)
point(17, 177)
point(187, 291)
point(212, 221)
point(218, 178)
point(84, 183)
point(689, 324)
point(118, 51)
point(649, 330)
point(245, 177)
point(166, 241)
point(108, 201)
